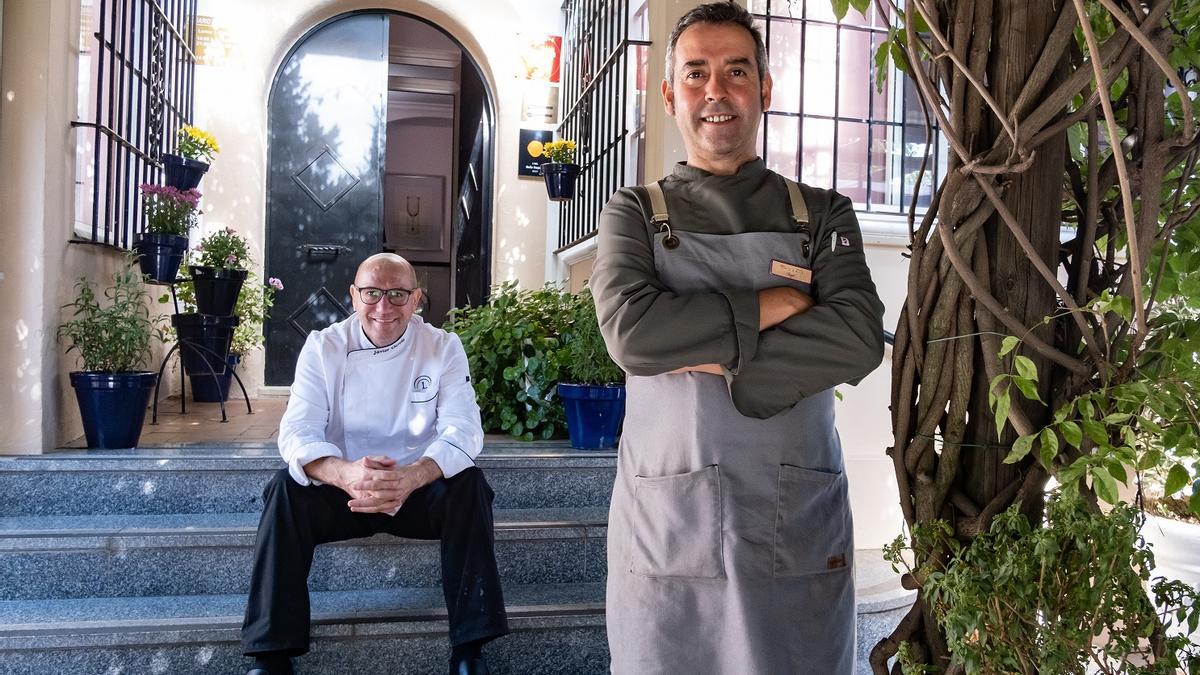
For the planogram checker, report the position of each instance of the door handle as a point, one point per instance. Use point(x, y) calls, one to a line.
point(322, 252)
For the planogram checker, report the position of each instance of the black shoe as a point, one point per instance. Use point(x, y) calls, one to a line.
point(271, 667)
point(475, 666)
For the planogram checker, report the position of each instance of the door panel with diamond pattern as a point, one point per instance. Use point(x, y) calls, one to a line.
point(326, 120)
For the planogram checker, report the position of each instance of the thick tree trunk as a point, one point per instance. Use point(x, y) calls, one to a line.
point(1019, 31)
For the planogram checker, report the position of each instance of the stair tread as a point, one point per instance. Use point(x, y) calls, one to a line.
point(104, 525)
point(25, 617)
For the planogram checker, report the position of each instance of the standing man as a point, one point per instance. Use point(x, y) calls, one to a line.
point(380, 435)
point(736, 300)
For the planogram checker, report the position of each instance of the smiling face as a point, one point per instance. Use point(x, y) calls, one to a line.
point(717, 99)
point(384, 322)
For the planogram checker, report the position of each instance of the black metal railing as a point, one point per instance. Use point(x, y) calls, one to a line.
point(141, 62)
point(603, 94)
point(867, 144)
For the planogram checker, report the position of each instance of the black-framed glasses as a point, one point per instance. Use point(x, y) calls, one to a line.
point(396, 296)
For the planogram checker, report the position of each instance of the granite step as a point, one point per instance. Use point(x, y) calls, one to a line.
point(230, 479)
point(201, 554)
point(557, 628)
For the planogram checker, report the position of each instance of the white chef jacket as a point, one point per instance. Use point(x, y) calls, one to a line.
point(408, 400)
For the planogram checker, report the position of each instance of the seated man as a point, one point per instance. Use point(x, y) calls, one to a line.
point(380, 435)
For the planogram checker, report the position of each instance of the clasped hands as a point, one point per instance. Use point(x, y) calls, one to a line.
point(374, 483)
point(775, 305)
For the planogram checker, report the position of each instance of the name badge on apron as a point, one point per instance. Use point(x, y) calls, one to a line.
point(789, 271)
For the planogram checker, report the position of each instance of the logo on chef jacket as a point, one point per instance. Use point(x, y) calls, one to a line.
point(422, 384)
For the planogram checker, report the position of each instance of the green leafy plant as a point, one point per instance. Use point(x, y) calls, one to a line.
point(223, 248)
point(587, 360)
point(169, 210)
point(520, 345)
point(1026, 599)
point(114, 338)
point(253, 306)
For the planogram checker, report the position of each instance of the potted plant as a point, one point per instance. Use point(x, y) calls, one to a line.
point(253, 306)
point(218, 270)
point(170, 214)
point(591, 385)
point(560, 171)
point(196, 149)
point(113, 342)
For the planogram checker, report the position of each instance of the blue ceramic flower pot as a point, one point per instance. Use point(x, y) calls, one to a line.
point(159, 255)
point(112, 406)
point(560, 180)
point(182, 173)
point(594, 414)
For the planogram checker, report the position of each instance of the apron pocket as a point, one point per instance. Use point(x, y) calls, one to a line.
point(813, 529)
point(676, 528)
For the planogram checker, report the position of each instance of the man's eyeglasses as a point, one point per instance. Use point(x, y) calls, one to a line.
point(396, 296)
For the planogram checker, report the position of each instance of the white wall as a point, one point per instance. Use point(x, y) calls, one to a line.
point(231, 102)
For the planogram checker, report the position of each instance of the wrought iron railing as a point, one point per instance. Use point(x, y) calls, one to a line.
point(604, 78)
point(141, 61)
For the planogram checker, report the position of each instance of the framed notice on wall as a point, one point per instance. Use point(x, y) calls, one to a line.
point(529, 154)
point(416, 218)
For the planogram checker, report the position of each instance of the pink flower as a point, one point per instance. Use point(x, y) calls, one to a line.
point(230, 259)
point(275, 283)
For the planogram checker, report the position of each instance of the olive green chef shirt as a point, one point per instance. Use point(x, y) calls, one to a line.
point(651, 329)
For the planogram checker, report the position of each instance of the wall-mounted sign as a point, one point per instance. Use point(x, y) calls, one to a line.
point(214, 45)
point(529, 154)
point(540, 103)
point(541, 56)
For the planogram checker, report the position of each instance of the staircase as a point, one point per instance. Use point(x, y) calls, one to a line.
point(138, 562)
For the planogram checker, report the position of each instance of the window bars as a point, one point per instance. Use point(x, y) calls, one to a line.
point(137, 65)
point(604, 95)
point(828, 125)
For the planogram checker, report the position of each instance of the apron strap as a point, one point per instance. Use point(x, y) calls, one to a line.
point(799, 207)
point(658, 204)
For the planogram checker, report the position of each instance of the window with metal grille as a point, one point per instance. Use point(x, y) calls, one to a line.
point(828, 125)
point(604, 101)
point(137, 66)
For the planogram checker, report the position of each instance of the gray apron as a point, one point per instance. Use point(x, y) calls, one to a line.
point(730, 542)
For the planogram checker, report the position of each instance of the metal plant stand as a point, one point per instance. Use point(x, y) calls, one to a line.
point(196, 349)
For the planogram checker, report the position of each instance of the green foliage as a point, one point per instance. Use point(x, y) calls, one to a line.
point(1022, 599)
point(520, 345)
point(223, 248)
point(1144, 424)
point(115, 338)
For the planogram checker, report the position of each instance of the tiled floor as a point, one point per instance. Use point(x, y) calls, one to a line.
point(202, 422)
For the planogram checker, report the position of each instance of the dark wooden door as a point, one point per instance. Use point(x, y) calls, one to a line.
point(326, 129)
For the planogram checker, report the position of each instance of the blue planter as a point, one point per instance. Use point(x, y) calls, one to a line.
point(560, 180)
point(594, 414)
point(209, 389)
point(159, 255)
point(207, 339)
point(182, 173)
point(113, 406)
point(216, 288)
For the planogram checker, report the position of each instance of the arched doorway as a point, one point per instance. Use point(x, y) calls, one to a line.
point(380, 138)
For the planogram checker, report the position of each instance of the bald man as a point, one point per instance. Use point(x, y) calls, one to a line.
point(380, 435)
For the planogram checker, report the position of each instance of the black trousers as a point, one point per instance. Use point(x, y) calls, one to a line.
point(296, 518)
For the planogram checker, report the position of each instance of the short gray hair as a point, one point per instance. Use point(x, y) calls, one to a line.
point(718, 12)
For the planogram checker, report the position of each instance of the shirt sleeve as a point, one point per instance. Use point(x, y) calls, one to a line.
point(650, 329)
point(839, 340)
point(302, 429)
point(459, 428)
